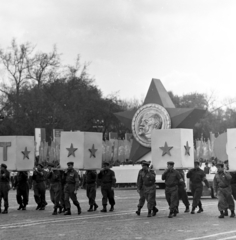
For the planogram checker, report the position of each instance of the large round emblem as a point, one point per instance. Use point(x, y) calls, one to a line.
point(149, 117)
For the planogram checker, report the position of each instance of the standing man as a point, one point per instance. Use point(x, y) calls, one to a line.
point(197, 176)
point(223, 191)
point(4, 187)
point(91, 187)
point(71, 188)
point(172, 179)
point(54, 178)
point(146, 187)
point(108, 180)
point(182, 191)
point(22, 189)
point(39, 177)
point(206, 168)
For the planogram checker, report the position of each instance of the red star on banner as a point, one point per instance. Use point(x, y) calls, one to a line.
point(187, 148)
point(180, 117)
point(26, 153)
point(166, 149)
point(92, 151)
point(71, 150)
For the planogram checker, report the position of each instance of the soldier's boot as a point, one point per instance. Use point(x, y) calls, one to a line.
point(60, 209)
point(24, 206)
point(221, 214)
point(95, 207)
point(104, 208)
point(149, 213)
point(193, 210)
point(232, 214)
point(226, 213)
point(91, 208)
point(20, 207)
point(138, 211)
point(5, 211)
point(38, 207)
point(155, 210)
point(42, 208)
point(63, 209)
point(112, 208)
point(187, 209)
point(67, 212)
point(79, 209)
point(200, 209)
point(55, 211)
point(170, 214)
point(175, 211)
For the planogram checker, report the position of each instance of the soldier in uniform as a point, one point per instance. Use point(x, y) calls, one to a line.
point(172, 179)
point(107, 180)
point(146, 187)
point(71, 188)
point(197, 176)
point(39, 177)
point(182, 191)
point(233, 179)
point(91, 187)
point(54, 178)
point(223, 191)
point(22, 189)
point(4, 187)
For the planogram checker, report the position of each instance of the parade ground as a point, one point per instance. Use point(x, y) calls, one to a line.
point(123, 223)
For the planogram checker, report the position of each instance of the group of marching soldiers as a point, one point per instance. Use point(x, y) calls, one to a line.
point(64, 185)
point(224, 185)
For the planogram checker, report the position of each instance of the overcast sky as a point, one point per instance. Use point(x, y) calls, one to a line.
point(189, 45)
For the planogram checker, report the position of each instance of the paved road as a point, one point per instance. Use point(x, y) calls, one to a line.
point(121, 224)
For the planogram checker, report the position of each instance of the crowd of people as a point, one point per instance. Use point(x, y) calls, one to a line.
point(64, 185)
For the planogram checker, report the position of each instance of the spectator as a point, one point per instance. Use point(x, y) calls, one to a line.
point(206, 168)
point(213, 168)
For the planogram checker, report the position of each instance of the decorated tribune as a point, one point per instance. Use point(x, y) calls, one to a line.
point(17, 152)
point(172, 145)
point(82, 148)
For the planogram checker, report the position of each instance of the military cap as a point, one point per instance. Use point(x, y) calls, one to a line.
point(220, 164)
point(106, 164)
point(39, 164)
point(170, 163)
point(4, 165)
point(70, 163)
point(144, 162)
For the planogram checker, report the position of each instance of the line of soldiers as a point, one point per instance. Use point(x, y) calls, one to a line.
point(63, 187)
point(223, 183)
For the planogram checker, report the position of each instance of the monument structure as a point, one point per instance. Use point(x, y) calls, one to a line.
point(157, 112)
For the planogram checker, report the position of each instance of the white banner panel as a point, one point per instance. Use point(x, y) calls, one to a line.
point(231, 148)
point(11, 148)
point(174, 145)
point(82, 148)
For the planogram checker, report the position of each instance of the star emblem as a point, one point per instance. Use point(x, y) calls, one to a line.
point(180, 117)
point(187, 148)
point(71, 150)
point(26, 153)
point(166, 149)
point(92, 151)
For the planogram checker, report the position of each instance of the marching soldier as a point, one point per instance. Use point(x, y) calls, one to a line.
point(22, 189)
point(91, 186)
point(54, 178)
point(71, 188)
point(39, 177)
point(223, 191)
point(197, 176)
point(4, 187)
point(108, 180)
point(172, 179)
point(147, 188)
point(182, 191)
